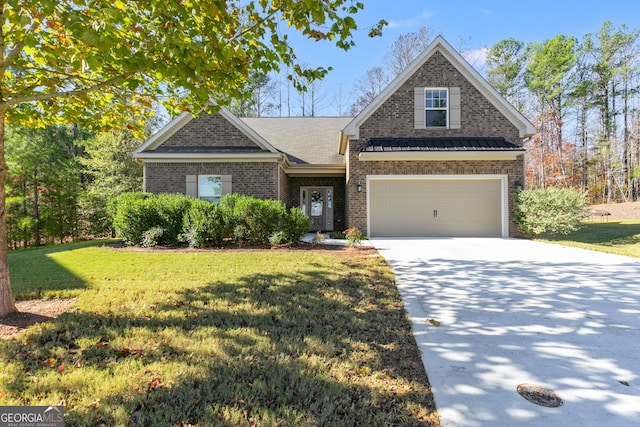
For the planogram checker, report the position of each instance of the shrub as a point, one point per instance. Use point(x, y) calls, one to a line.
point(295, 225)
point(151, 237)
point(132, 214)
point(168, 219)
point(353, 236)
point(171, 210)
point(318, 238)
point(204, 225)
point(278, 238)
point(337, 235)
point(256, 220)
point(227, 211)
point(550, 210)
point(135, 213)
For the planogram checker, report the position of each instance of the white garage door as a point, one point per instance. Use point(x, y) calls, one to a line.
point(435, 208)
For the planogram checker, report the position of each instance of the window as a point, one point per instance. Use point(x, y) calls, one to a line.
point(210, 187)
point(436, 107)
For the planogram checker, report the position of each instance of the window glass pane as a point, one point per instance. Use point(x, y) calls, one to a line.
point(304, 202)
point(435, 98)
point(210, 187)
point(317, 203)
point(436, 118)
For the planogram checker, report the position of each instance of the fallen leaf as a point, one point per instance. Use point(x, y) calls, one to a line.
point(156, 383)
point(434, 322)
point(61, 367)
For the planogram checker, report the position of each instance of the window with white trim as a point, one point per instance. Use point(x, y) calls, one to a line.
point(210, 187)
point(436, 106)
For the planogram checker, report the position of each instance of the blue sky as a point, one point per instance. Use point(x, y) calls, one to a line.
point(470, 26)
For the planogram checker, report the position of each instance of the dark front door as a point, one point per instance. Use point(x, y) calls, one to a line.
point(317, 204)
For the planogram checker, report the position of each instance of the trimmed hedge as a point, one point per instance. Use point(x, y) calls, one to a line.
point(174, 219)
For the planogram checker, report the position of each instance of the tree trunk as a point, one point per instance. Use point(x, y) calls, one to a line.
point(585, 150)
point(7, 306)
point(36, 210)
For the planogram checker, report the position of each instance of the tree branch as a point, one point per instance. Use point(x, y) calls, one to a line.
point(15, 99)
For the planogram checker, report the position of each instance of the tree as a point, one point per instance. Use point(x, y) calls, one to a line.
point(43, 183)
point(261, 103)
point(611, 51)
point(92, 60)
point(368, 87)
point(312, 98)
point(505, 65)
point(547, 75)
point(111, 171)
point(405, 48)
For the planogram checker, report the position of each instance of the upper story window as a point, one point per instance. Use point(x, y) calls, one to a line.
point(210, 187)
point(436, 103)
point(437, 108)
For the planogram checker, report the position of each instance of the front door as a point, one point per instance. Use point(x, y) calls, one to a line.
point(317, 204)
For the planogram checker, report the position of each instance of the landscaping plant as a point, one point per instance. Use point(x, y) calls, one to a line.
point(551, 210)
point(173, 219)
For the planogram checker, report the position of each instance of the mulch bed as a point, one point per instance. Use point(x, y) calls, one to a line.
point(31, 312)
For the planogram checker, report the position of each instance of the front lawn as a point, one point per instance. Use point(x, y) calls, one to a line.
point(616, 237)
point(228, 338)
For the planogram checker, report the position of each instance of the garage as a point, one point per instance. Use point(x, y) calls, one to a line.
point(436, 206)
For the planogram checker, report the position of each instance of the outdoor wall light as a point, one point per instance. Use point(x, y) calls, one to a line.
point(518, 185)
point(359, 187)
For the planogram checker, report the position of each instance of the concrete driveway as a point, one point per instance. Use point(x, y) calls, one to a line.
point(512, 313)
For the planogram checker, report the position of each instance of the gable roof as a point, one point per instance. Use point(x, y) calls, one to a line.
point(148, 148)
point(305, 140)
point(439, 44)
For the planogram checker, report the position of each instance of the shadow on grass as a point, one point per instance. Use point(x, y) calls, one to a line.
point(603, 233)
point(306, 348)
point(35, 274)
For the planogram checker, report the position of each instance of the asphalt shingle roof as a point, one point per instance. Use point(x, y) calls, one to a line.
point(305, 140)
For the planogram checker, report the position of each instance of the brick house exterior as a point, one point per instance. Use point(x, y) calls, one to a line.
point(387, 171)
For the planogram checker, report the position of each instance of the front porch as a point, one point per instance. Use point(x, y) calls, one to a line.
point(322, 199)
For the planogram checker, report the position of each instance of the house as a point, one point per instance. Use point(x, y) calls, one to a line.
point(437, 153)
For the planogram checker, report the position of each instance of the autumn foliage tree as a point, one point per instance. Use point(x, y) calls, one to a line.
point(90, 61)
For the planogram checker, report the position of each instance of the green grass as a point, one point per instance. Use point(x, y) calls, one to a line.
point(225, 338)
point(616, 237)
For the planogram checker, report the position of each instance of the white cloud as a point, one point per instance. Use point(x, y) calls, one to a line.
point(427, 14)
point(414, 22)
point(406, 23)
